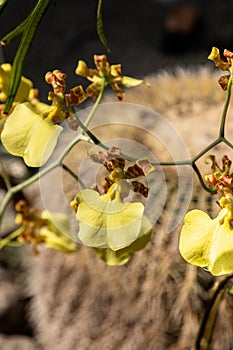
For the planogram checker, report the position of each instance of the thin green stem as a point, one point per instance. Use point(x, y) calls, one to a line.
point(14, 33)
point(228, 143)
point(92, 137)
point(200, 178)
point(225, 108)
point(206, 149)
point(10, 237)
point(205, 320)
point(66, 168)
point(96, 104)
point(14, 189)
point(172, 163)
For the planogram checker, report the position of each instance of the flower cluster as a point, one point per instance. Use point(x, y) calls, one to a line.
point(207, 242)
point(112, 226)
point(31, 130)
point(111, 74)
point(51, 229)
point(225, 65)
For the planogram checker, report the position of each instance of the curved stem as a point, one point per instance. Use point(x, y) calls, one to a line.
point(226, 105)
point(14, 33)
point(200, 178)
point(206, 149)
point(14, 189)
point(10, 237)
point(96, 104)
point(201, 335)
point(66, 168)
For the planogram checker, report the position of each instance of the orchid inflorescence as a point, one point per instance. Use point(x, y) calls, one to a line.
point(112, 225)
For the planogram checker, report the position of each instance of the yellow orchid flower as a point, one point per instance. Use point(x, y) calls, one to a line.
point(111, 74)
point(105, 221)
point(31, 129)
point(29, 132)
point(215, 56)
point(207, 242)
point(56, 234)
point(5, 77)
point(113, 227)
point(49, 228)
point(122, 256)
point(226, 65)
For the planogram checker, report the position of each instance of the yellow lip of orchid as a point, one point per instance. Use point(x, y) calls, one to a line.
point(122, 256)
point(28, 134)
point(5, 76)
point(107, 223)
point(207, 242)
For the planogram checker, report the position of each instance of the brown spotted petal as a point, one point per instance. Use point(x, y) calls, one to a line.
point(98, 156)
point(142, 167)
point(115, 163)
point(76, 96)
point(114, 151)
point(57, 80)
point(223, 81)
point(140, 188)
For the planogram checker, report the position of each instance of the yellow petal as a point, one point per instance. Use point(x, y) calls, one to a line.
point(82, 69)
point(116, 70)
point(122, 256)
point(56, 234)
point(58, 242)
point(111, 257)
point(105, 223)
point(215, 56)
point(91, 218)
point(221, 250)
point(123, 223)
point(28, 135)
point(57, 222)
point(131, 82)
point(42, 143)
point(5, 76)
point(195, 238)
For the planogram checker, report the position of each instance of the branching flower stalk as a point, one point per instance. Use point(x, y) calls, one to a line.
point(113, 227)
point(59, 162)
point(225, 109)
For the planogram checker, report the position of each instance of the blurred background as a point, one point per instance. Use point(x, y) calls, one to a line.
point(144, 36)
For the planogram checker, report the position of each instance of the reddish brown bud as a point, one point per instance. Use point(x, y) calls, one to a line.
point(57, 80)
point(223, 81)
